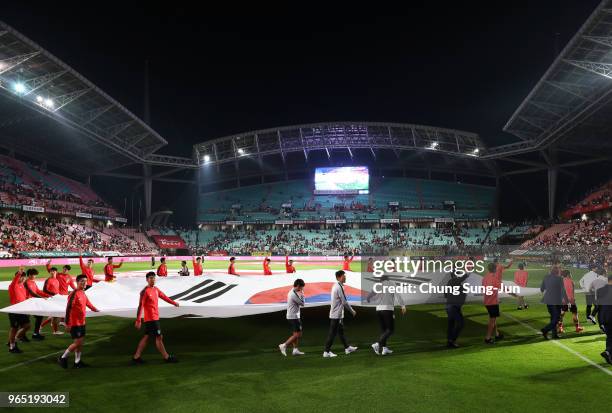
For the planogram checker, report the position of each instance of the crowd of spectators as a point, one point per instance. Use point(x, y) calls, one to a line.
point(23, 233)
point(15, 190)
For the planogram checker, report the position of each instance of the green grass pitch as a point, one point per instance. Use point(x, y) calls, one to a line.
point(234, 365)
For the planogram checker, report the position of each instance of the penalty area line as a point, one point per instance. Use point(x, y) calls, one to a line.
point(563, 346)
point(23, 363)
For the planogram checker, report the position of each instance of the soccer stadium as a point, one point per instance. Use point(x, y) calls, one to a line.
point(304, 266)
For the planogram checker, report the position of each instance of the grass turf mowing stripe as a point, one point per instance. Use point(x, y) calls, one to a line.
point(563, 346)
point(23, 363)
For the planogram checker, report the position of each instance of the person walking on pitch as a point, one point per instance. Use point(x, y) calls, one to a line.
point(385, 311)
point(295, 300)
point(18, 323)
point(289, 268)
point(603, 298)
point(521, 278)
point(454, 306)
point(266, 266)
point(336, 316)
point(162, 270)
point(554, 295)
point(33, 291)
point(148, 307)
point(197, 266)
point(76, 312)
point(585, 284)
point(109, 270)
point(492, 281)
point(569, 305)
point(231, 270)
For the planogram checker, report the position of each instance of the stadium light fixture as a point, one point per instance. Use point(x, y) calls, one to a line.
point(19, 87)
point(49, 103)
point(475, 152)
point(434, 146)
point(241, 151)
point(39, 99)
point(206, 158)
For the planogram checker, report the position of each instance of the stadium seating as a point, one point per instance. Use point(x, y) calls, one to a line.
point(23, 183)
point(417, 198)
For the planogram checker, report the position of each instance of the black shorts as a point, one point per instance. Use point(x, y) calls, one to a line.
point(77, 332)
point(18, 320)
point(493, 310)
point(152, 328)
point(571, 308)
point(296, 324)
point(590, 299)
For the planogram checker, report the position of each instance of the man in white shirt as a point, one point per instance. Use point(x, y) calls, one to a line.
point(336, 316)
point(585, 284)
point(596, 284)
point(385, 311)
point(295, 300)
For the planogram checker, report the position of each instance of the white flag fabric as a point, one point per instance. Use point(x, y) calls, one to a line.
point(223, 295)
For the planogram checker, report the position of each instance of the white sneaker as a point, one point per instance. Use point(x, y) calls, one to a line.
point(376, 348)
point(328, 354)
point(62, 324)
point(58, 333)
point(283, 349)
point(297, 352)
point(386, 351)
point(350, 349)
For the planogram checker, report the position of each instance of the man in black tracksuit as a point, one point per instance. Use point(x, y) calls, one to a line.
point(603, 298)
point(454, 302)
point(554, 295)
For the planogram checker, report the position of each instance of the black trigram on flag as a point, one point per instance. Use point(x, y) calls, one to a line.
point(204, 291)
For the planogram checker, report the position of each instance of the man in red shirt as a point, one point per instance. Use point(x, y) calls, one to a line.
point(148, 307)
point(109, 270)
point(88, 271)
point(197, 266)
point(32, 291)
point(266, 266)
point(232, 270)
point(570, 303)
point(19, 323)
point(499, 268)
point(51, 287)
point(346, 265)
point(64, 279)
point(520, 278)
point(492, 282)
point(162, 270)
point(289, 265)
point(76, 312)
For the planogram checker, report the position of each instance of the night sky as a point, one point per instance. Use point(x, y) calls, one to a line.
point(464, 65)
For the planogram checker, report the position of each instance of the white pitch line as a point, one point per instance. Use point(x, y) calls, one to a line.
point(563, 346)
point(47, 355)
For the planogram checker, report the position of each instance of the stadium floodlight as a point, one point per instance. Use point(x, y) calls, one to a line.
point(49, 103)
point(19, 87)
point(474, 152)
point(241, 151)
point(434, 145)
point(206, 158)
point(39, 99)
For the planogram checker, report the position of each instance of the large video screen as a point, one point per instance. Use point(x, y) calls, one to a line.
point(342, 180)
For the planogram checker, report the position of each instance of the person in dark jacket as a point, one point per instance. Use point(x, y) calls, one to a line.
point(554, 295)
point(454, 303)
point(603, 298)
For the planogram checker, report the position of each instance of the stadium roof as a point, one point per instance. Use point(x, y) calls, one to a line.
point(571, 105)
point(50, 112)
point(349, 138)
